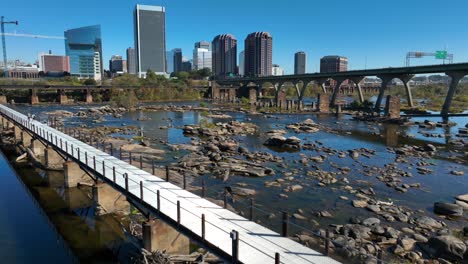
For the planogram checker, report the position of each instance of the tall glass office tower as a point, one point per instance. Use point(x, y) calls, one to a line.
point(150, 39)
point(84, 47)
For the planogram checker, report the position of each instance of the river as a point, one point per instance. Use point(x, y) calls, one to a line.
point(440, 185)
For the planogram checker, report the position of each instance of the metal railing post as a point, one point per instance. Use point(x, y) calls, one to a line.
point(235, 246)
point(184, 182)
point(203, 226)
point(158, 201)
point(277, 258)
point(130, 157)
point(152, 166)
point(178, 213)
point(103, 169)
point(327, 242)
point(141, 162)
point(285, 224)
point(251, 215)
point(113, 173)
point(141, 190)
point(126, 181)
point(167, 173)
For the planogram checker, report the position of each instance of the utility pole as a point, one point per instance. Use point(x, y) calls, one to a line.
point(5, 72)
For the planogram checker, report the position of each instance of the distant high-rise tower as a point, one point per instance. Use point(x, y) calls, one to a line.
point(300, 63)
point(177, 60)
point(202, 57)
point(84, 48)
point(150, 39)
point(330, 64)
point(116, 64)
point(131, 69)
point(276, 70)
point(203, 45)
point(224, 55)
point(242, 63)
point(258, 54)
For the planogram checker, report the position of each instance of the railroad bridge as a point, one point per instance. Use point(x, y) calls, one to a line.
point(255, 84)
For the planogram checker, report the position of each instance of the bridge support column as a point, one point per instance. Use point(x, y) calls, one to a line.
point(109, 199)
point(74, 174)
point(37, 147)
point(26, 139)
point(63, 99)
point(34, 97)
point(323, 103)
point(383, 87)
point(159, 235)
point(409, 96)
point(89, 96)
point(3, 99)
point(18, 132)
point(392, 106)
point(336, 90)
point(253, 95)
point(52, 159)
point(277, 92)
point(357, 82)
point(456, 77)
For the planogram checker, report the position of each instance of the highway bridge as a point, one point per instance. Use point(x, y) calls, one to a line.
point(456, 71)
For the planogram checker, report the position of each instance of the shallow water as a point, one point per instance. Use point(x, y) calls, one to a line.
point(437, 186)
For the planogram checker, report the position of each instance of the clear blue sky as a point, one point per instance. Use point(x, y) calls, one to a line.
point(379, 32)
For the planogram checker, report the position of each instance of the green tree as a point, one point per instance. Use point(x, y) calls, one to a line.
point(89, 82)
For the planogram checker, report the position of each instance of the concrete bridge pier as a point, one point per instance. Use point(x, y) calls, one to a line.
point(3, 99)
point(357, 81)
point(18, 133)
point(277, 92)
point(37, 147)
point(409, 96)
point(383, 87)
point(62, 96)
point(34, 98)
point(89, 96)
point(323, 103)
point(109, 199)
point(26, 138)
point(74, 174)
point(53, 160)
point(159, 235)
point(253, 95)
point(456, 77)
point(336, 90)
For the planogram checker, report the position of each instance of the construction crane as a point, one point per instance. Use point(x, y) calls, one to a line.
point(31, 36)
point(5, 72)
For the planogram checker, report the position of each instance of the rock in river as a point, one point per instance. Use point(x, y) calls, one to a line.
point(448, 209)
point(447, 246)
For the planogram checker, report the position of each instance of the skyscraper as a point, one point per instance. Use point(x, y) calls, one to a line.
point(300, 63)
point(84, 47)
point(258, 54)
point(202, 57)
point(203, 45)
point(276, 70)
point(177, 60)
point(116, 64)
point(329, 64)
point(242, 63)
point(224, 55)
point(170, 61)
point(131, 69)
point(150, 39)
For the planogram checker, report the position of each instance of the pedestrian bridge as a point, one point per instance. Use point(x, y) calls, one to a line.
point(229, 235)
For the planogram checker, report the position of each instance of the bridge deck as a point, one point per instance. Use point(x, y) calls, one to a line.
point(257, 244)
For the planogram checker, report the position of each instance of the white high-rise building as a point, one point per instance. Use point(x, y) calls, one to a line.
point(97, 66)
point(241, 63)
point(277, 70)
point(201, 59)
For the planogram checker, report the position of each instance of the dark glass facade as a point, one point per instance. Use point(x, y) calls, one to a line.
point(84, 47)
point(150, 39)
point(224, 55)
point(300, 63)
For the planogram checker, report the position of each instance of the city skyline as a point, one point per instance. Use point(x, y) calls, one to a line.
point(381, 43)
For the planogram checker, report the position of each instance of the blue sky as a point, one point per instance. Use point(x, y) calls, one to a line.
point(370, 33)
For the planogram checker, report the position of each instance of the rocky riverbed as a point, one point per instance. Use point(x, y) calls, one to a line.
point(406, 198)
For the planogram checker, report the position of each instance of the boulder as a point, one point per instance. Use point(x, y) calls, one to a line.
point(406, 243)
point(360, 203)
point(448, 209)
point(371, 221)
point(463, 198)
point(427, 222)
point(448, 247)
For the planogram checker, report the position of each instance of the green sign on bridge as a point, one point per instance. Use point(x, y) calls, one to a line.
point(441, 54)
